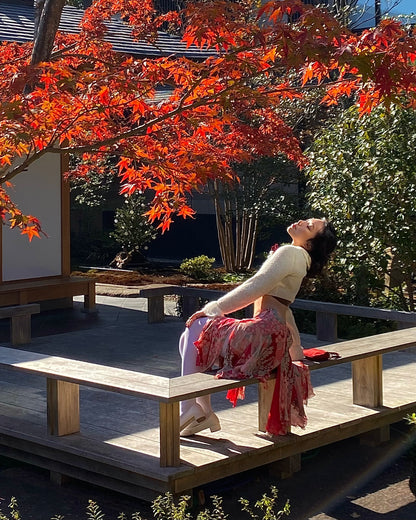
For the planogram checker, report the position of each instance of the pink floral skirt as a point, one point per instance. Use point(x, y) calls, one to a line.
point(256, 347)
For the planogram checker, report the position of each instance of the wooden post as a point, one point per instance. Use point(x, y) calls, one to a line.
point(62, 407)
point(376, 437)
point(155, 309)
point(367, 381)
point(20, 329)
point(57, 478)
point(265, 396)
point(189, 305)
point(326, 326)
point(169, 435)
point(285, 468)
point(89, 299)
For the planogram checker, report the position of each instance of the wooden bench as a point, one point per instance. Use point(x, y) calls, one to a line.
point(326, 316)
point(65, 375)
point(20, 321)
point(190, 299)
point(34, 291)
point(326, 312)
point(155, 294)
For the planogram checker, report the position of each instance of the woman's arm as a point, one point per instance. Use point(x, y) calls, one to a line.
point(282, 263)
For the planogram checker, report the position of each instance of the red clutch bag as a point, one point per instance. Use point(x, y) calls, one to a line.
point(317, 354)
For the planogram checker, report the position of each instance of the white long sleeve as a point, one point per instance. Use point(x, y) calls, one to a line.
point(280, 275)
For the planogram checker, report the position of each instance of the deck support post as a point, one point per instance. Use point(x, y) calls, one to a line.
point(169, 435)
point(376, 437)
point(155, 309)
point(367, 381)
point(285, 468)
point(62, 407)
point(58, 478)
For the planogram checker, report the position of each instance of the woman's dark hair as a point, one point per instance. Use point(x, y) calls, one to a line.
point(320, 249)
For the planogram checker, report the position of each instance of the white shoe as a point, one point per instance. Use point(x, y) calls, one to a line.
point(202, 423)
point(193, 413)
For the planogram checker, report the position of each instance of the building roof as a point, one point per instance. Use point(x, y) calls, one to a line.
point(17, 24)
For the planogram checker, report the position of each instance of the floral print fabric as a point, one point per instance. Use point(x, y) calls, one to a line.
point(255, 347)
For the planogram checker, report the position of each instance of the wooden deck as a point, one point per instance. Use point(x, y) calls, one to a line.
point(118, 446)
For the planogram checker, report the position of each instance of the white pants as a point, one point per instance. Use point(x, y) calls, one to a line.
point(189, 353)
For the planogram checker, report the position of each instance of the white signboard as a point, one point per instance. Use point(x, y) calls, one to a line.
point(37, 192)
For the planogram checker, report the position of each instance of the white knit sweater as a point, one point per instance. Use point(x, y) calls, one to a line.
point(280, 275)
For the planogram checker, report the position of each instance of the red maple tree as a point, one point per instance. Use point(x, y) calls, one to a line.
point(89, 100)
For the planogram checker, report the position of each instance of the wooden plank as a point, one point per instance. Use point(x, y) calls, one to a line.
point(19, 310)
point(366, 347)
point(194, 385)
point(84, 373)
point(94, 449)
point(62, 407)
point(39, 283)
point(169, 434)
point(355, 310)
point(278, 451)
point(21, 293)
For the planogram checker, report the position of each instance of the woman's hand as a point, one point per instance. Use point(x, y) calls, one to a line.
point(195, 316)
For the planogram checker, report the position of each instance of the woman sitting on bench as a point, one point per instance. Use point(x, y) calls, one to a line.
point(257, 346)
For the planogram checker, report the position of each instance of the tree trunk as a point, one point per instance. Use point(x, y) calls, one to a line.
point(236, 229)
point(47, 17)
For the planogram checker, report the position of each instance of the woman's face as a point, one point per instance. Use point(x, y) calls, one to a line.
point(303, 230)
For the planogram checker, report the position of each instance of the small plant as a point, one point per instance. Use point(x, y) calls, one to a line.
point(132, 230)
point(200, 268)
point(411, 419)
point(94, 512)
point(266, 505)
point(13, 511)
point(165, 508)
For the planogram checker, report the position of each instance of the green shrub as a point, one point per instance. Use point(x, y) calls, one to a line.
point(235, 277)
point(200, 268)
